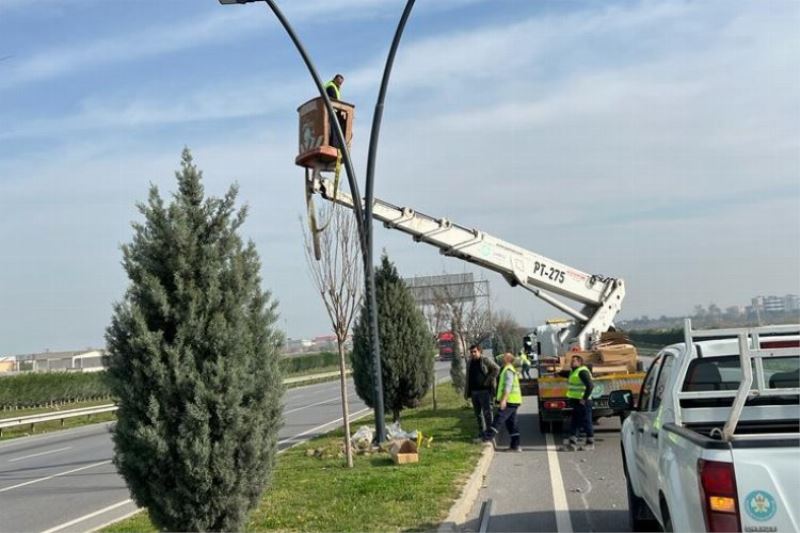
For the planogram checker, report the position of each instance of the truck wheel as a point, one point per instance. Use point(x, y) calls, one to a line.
point(544, 427)
point(639, 515)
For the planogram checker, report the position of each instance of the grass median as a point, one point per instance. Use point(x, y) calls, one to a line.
point(309, 493)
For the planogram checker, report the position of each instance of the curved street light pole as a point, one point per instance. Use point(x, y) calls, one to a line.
point(369, 273)
point(362, 223)
point(363, 216)
point(337, 128)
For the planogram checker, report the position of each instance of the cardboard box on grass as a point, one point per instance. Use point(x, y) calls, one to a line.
point(404, 451)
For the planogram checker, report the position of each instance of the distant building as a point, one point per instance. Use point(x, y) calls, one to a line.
point(775, 304)
point(324, 340)
point(298, 345)
point(8, 363)
point(89, 360)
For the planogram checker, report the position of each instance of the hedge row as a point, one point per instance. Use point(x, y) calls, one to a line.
point(300, 363)
point(51, 388)
point(660, 337)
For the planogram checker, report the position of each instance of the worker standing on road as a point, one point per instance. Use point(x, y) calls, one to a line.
point(526, 365)
point(481, 378)
point(509, 397)
point(579, 396)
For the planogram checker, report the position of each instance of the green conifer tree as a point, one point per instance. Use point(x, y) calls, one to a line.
point(458, 378)
point(193, 360)
point(406, 346)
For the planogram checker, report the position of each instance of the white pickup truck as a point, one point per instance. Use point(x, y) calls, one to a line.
point(714, 442)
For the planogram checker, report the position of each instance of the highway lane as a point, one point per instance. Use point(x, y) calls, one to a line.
point(64, 481)
point(542, 489)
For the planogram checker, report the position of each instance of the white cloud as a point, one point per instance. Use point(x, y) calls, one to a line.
point(667, 164)
point(217, 26)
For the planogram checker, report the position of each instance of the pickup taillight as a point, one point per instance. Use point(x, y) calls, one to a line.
point(555, 404)
point(718, 491)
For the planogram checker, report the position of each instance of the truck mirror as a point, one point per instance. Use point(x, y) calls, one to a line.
point(621, 400)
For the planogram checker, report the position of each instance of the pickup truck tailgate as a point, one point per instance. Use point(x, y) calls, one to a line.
point(768, 483)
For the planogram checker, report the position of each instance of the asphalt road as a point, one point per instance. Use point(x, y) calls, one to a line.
point(543, 489)
point(64, 481)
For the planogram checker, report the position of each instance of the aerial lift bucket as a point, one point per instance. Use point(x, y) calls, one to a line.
point(319, 150)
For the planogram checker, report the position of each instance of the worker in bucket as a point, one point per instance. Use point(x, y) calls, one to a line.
point(509, 398)
point(334, 87)
point(579, 396)
point(334, 91)
point(481, 380)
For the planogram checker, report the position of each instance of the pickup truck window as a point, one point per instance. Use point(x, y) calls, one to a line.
point(725, 373)
point(663, 376)
point(647, 385)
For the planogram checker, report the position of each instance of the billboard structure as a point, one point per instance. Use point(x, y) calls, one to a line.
point(451, 299)
point(429, 290)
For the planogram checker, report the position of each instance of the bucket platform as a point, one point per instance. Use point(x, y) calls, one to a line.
point(318, 148)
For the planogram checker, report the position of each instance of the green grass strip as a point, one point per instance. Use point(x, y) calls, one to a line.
point(321, 494)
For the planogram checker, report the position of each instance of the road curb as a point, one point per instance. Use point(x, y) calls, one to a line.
point(463, 504)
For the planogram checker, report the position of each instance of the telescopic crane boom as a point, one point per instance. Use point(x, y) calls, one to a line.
point(600, 297)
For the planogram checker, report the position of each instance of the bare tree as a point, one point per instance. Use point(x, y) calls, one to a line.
point(338, 277)
point(508, 333)
point(471, 323)
point(437, 317)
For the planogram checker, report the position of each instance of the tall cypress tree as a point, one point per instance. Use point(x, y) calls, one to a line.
point(406, 346)
point(458, 378)
point(193, 360)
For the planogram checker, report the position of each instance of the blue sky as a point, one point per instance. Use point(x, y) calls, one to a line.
point(654, 141)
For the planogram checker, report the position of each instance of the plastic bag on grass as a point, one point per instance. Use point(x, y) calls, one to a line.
point(394, 431)
point(362, 439)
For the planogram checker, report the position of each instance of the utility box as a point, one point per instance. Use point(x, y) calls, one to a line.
point(317, 142)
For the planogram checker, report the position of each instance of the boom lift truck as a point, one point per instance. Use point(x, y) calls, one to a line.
point(598, 298)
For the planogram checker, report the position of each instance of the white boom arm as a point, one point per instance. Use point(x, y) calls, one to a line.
point(601, 297)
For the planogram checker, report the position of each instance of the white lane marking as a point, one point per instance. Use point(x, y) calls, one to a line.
point(64, 434)
point(115, 520)
point(31, 482)
point(349, 397)
point(87, 516)
point(39, 454)
point(560, 506)
point(326, 424)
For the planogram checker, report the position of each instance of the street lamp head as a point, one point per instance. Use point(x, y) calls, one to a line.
point(225, 2)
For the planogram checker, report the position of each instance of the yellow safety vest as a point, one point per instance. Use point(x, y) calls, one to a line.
point(576, 388)
point(524, 359)
point(335, 89)
point(515, 396)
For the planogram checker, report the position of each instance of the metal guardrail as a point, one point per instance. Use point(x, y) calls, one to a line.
point(59, 415)
point(85, 411)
